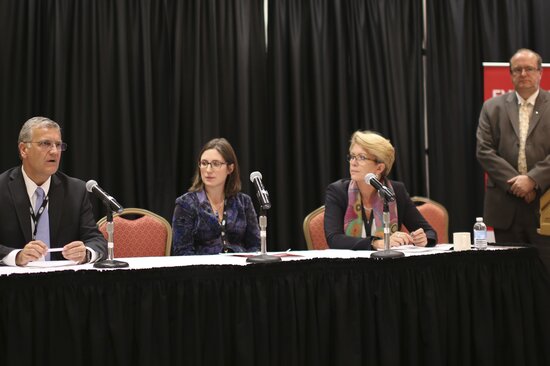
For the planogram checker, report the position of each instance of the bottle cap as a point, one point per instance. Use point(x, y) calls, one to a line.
point(479, 218)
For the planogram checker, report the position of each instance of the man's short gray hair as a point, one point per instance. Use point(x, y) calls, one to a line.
point(25, 135)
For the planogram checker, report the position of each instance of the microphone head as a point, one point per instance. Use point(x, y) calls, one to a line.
point(90, 185)
point(369, 176)
point(255, 175)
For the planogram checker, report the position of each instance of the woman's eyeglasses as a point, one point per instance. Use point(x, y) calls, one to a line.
point(215, 164)
point(361, 159)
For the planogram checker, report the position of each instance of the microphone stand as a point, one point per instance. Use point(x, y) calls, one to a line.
point(387, 253)
point(263, 257)
point(110, 262)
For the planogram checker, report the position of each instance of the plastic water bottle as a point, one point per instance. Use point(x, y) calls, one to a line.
point(480, 234)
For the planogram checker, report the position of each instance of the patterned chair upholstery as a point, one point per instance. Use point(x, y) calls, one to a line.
point(437, 216)
point(139, 233)
point(314, 229)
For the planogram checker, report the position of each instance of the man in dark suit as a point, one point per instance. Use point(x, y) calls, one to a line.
point(513, 147)
point(66, 212)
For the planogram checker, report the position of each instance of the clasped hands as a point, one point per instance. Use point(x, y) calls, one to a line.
point(523, 186)
point(398, 238)
point(34, 250)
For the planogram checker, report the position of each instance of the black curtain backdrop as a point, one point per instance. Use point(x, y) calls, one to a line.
point(139, 86)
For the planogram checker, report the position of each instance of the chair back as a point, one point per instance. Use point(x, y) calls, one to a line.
point(437, 216)
point(314, 229)
point(139, 233)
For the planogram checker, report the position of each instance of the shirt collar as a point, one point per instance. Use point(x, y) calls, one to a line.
point(530, 100)
point(31, 186)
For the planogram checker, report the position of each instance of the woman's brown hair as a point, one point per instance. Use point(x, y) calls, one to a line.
point(233, 182)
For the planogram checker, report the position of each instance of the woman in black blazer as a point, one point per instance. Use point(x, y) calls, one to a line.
point(353, 208)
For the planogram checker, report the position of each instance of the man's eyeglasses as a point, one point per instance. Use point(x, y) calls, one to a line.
point(361, 159)
point(47, 145)
point(520, 70)
point(215, 164)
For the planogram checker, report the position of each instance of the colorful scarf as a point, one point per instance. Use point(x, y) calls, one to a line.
point(353, 219)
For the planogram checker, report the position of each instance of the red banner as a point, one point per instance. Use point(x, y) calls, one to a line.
point(497, 79)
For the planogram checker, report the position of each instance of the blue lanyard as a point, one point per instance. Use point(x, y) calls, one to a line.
point(36, 217)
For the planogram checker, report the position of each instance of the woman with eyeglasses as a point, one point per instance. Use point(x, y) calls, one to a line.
point(214, 216)
point(354, 209)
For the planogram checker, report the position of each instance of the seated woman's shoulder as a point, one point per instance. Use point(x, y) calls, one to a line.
point(188, 198)
point(398, 184)
point(340, 183)
point(243, 197)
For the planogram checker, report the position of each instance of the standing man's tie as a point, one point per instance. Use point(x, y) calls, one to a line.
point(525, 111)
point(42, 227)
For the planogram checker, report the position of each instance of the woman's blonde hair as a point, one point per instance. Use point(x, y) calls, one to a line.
point(377, 145)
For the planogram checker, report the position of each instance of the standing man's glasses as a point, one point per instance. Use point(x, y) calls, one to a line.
point(520, 70)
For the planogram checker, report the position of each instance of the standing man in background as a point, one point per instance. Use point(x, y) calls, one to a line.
point(43, 208)
point(513, 147)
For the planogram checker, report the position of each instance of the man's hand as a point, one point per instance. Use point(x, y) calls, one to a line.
point(31, 252)
point(521, 185)
point(530, 197)
point(75, 251)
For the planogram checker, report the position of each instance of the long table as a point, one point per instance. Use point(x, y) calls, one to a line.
point(451, 308)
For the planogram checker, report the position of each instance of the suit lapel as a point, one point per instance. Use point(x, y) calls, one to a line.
point(18, 192)
point(541, 104)
point(55, 208)
point(513, 112)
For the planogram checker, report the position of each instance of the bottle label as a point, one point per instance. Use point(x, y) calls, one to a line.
point(480, 235)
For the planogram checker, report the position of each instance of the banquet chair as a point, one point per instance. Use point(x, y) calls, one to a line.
point(139, 233)
point(437, 216)
point(314, 229)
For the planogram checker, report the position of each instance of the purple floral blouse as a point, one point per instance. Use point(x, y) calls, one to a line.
point(196, 229)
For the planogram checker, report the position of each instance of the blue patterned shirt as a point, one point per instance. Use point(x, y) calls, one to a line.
point(196, 229)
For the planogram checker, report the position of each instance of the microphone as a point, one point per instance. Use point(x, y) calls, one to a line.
point(263, 196)
point(107, 199)
point(371, 179)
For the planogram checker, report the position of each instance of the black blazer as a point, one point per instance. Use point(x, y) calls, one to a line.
point(70, 213)
point(336, 203)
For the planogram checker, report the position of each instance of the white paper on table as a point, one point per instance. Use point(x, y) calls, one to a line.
point(48, 264)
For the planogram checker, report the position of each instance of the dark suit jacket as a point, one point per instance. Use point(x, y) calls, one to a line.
point(498, 148)
point(336, 203)
point(70, 213)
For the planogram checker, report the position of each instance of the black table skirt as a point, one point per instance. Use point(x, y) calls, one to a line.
point(465, 308)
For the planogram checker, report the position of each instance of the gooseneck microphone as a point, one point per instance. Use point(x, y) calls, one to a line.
point(107, 199)
point(261, 192)
point(371, 179)
point(263, 197)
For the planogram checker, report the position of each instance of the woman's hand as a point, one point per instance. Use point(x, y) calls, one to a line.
point(400, 238)
point(419, 238)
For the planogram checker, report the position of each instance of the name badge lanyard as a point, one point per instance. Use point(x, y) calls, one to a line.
point(36, 217)
point(366, 221)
